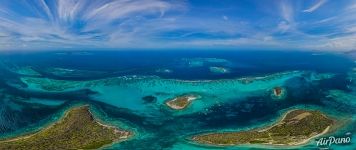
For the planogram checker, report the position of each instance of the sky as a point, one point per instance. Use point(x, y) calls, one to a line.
point(326, 25)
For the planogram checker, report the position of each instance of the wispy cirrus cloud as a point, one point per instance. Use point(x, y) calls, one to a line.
point(315, 6)
point(80, 24)
point(287, 11)
point(73, 22)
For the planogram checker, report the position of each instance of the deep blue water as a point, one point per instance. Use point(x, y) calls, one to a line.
point(241, 63)
point(239, 113)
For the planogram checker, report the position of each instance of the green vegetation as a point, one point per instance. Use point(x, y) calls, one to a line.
point(297, 127)
point(181, 102)
point(77, 130)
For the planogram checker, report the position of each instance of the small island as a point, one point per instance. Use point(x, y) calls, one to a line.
point(279, 93)
point(181, 102)
point(78, 129)
point(297, 127)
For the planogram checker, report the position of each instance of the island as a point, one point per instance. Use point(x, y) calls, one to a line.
point(78, 129)
point(279, 93)
point(296, 127)
point(181, 102)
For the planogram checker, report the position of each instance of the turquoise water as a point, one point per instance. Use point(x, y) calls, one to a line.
point(128, 92)
point(36, 89)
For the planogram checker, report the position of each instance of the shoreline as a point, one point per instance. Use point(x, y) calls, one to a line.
point(192, 139)
point(189, 98)
point(40, 129)
point(127, 134)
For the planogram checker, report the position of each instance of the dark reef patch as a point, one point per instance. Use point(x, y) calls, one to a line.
point(149, 99)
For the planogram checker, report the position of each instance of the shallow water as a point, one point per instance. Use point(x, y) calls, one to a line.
point(115, 83)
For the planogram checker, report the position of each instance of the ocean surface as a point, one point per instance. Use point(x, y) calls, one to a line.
point(37, 87)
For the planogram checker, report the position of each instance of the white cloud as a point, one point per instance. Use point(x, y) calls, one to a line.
point(67, 10)
point(342, 43)
point(225, 17)
point(351, 29)
point(315, 6)
point(123, 9)
point(283, 26)
point(162, 23)
point(56, 29)
point(45, 8)
point(352, 6)
point(287, 11)
point(265, 42)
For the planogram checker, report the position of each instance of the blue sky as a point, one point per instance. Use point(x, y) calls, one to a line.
point(328, 25)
